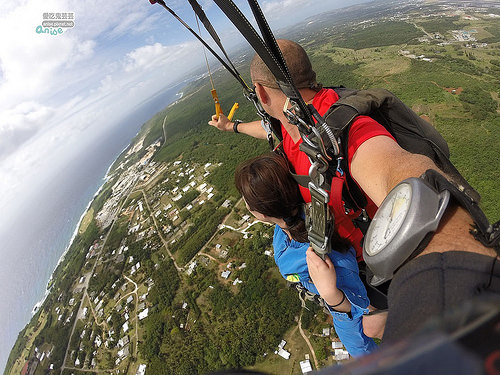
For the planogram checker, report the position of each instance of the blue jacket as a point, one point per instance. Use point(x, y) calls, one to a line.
point(290, 257)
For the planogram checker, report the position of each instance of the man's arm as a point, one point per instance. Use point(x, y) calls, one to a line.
point(253, 129)
point(379, 164)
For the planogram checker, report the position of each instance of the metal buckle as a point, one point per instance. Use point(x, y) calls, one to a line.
point(319, 221)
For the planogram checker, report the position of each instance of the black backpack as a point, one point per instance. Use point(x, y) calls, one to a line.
point(412, 133)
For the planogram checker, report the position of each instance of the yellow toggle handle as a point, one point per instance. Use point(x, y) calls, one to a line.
point(218, 109)
point(231, 113)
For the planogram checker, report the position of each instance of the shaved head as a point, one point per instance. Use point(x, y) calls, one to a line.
point(298, 64)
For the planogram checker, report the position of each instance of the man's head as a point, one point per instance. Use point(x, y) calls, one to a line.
point(298, 64)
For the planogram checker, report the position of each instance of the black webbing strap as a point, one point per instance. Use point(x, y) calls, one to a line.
point(340, 117)
point(486, 233)
point(234, 73)
point(210, 29)
point(267, 49)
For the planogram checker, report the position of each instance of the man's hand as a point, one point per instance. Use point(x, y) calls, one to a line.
point(221, 123)
point(324, 277)
point(253, 129)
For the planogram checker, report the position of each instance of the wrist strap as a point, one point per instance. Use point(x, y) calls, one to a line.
point(235, 126)
point(340, 303)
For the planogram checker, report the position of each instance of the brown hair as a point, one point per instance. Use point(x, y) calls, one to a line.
point(268, 188)
point(298, 63)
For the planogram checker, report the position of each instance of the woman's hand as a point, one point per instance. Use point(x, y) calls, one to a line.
point(324, 277)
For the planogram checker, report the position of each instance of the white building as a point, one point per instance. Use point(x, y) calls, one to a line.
point(225, 274)
point(141, 370)
point(143, 314)
point(305, 366)
point(283, 353)
point(337, 345)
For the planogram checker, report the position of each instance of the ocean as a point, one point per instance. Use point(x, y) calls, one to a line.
point(42, 232)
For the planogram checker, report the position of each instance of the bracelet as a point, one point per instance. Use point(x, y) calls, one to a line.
point(340, 303)
point(235, 125)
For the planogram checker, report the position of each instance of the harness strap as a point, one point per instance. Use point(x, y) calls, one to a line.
point(267, 49)
point(486, 233)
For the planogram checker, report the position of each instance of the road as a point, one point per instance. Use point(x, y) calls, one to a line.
point(164, 130)
point(179, 269)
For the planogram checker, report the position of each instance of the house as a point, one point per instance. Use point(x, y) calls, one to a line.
point(305, 366)
point(341, 354)
point(191, 268)
point(225, 274)
point(337, 345)
point(326, 331)
point(123, 353)
point(283, 353)
point(141, 370)
point(123, 341)
point(143, 314)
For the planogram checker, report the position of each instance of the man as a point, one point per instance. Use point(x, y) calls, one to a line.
point(377, 164)
point(370, 144)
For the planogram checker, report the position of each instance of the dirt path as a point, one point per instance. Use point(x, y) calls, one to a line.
point(306, 339)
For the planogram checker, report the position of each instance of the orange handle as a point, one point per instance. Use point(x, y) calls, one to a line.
point(218, 109)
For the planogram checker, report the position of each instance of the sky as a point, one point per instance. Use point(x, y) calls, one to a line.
point(59, 93)
point(57, 90)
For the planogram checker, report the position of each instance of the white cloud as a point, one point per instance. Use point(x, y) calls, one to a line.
point(157, 55)
point(19, 124)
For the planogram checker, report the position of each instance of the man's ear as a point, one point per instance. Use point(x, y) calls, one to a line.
point(261, 93)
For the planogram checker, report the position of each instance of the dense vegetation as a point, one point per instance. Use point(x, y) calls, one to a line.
point(232, 329)
point(229, 325)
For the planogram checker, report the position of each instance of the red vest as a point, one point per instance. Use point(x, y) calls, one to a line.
point(362, 129)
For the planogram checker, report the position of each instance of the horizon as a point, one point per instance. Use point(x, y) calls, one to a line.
point(54, 106)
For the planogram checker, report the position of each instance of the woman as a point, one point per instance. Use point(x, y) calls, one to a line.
point(272, 195)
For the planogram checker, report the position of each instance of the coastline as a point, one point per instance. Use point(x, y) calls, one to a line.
point(75, 232)
point(105, 179)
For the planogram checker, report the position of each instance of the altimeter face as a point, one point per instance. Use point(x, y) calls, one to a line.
point(407, 215)
point(389, 219)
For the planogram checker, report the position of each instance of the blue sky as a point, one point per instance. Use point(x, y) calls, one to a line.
point(59, 91)
point(61, 94)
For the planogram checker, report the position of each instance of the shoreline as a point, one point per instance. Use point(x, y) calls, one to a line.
point(63, 255)
point(105, 179)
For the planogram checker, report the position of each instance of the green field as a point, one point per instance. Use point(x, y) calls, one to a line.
point(234, 325)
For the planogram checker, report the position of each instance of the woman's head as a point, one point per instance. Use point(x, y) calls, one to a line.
point(269, 189)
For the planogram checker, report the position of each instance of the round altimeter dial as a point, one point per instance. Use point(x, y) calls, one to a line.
point(409, 212)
